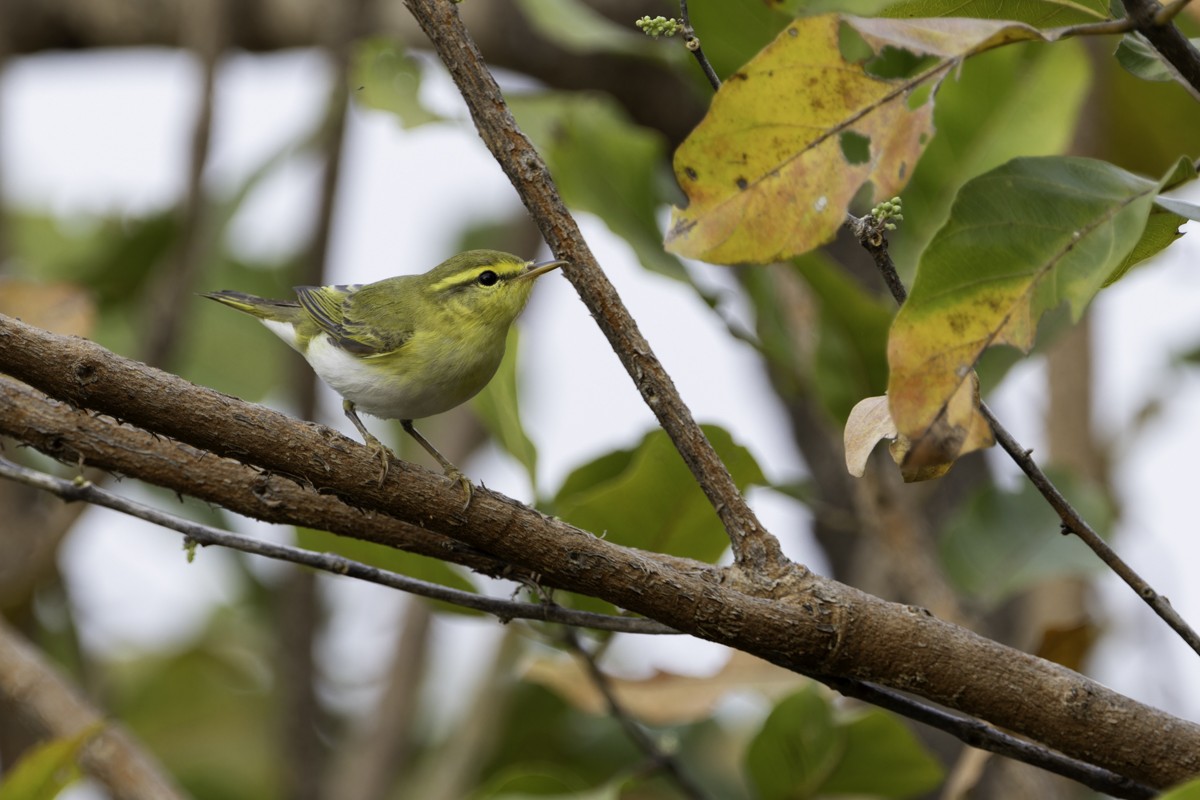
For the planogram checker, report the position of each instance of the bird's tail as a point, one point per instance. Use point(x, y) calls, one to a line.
point(261, 307)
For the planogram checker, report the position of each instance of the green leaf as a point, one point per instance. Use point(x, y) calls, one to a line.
point(47, 769)
point(796, 749)
point(1040, 13)
point(498, 408)
point(1022, 100)
point(603, 164)
point(1001, 543)
point(208, 703)
point(1137, 56)
point(805, 750)
point(882, 758)
point(852, 336)
point(648, 498)
point(385, 78)
point(1021, 240)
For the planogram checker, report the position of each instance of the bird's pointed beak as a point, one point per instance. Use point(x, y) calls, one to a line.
point(534, 270)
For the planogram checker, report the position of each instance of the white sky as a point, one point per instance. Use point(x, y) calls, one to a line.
point(86, 133)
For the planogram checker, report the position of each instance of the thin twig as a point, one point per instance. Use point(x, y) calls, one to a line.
point(659, 757)
point(1073, 522)
point(169, 301)
point(875, 243)
point(870, 234)
point(692, 42)
point(197, 533)
point(756, 551)
point(980, 734)
point(1169, 11)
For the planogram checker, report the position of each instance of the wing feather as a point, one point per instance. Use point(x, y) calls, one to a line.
point(333, 309)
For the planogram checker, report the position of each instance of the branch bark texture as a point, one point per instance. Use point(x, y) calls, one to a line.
point(799, 620)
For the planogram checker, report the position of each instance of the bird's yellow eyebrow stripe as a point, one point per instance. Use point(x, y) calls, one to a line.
point(465, 278)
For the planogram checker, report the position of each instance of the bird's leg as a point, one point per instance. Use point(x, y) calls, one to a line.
point(379, 447)
point(451, 471)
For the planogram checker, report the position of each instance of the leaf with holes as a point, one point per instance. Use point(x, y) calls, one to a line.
point(1021, 240)
point(791, 138)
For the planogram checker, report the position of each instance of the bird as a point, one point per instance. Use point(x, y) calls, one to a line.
point(406, 347)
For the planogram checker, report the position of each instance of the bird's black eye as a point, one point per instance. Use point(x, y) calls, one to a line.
point(487, 278)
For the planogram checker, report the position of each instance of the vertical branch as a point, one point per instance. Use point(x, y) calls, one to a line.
point(169, 298)
point(383, 747)
point(754, 548)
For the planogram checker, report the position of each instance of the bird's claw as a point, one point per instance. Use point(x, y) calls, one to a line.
point(455, 474)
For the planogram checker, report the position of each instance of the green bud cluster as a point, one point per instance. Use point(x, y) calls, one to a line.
point(658, 26)
point(888, 213)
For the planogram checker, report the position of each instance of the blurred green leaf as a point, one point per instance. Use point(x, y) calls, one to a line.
point(113, 256)
point(414, 566)
point(796, 749)
point(549, 746)
point(1184, 791)
point(882, 758)
point(810, 8)
point(851, 360)
point(1138, 58)
point(648, 498)
point(1000, 543)
point(497, 405)
point(45, 770)
point(264, 364)
point(1014, 101)
point(806, 750)
point(385, 78)
point(579, 29)
point(210, 703)
point(1039, 13)
point(604, 164)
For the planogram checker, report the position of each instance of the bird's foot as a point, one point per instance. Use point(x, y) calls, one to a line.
point(383, 453)
point(455, 474)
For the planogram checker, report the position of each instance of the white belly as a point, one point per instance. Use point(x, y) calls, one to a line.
point(384, 387)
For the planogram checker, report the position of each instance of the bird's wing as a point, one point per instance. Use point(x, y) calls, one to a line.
point(336, 312)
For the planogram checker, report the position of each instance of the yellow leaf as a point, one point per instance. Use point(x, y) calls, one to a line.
point(958, 430)
point(767, 172)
